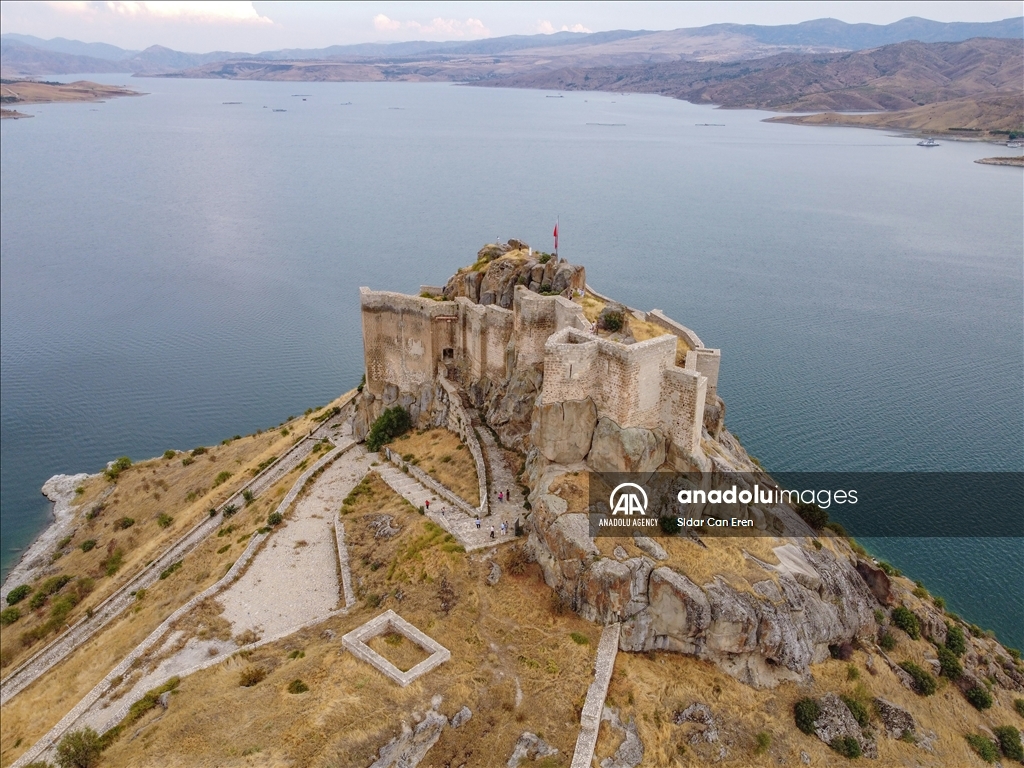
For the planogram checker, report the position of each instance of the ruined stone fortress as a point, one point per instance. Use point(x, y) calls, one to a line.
point(518, 326)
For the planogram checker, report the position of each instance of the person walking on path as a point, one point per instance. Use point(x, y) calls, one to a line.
point(492, 531)
point(501, 496)
point(427, 504)
point(478, 522)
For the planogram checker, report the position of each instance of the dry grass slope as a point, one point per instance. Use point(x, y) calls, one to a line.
point(513, 663)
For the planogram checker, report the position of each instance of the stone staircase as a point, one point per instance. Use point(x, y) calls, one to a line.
point(454, 520)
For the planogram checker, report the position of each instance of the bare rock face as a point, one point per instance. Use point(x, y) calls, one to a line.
point(408, 749)
point(837, 722)
point(604, 591)
point(529, 746)
point(634, 449)
point(510, 412)
point(631, 751)
point(896, 720)
point(877, 581)
point(563, 431)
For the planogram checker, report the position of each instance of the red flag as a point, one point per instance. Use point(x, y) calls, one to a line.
point(556, 235)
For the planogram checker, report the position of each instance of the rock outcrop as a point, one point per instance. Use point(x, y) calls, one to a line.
point(836, 722)
point(618, 449)
point(563, 431)
point(500, 267)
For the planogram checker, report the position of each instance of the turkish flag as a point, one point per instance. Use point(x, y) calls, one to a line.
point(556, 236)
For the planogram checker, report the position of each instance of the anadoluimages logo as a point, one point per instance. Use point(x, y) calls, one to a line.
point(628, 501)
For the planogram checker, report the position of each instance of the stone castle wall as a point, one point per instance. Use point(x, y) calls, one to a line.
point(410, 341)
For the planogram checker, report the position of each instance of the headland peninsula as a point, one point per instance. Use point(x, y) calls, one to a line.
point(405, 575)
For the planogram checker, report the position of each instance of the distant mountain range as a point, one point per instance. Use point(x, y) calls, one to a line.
point(25, 55)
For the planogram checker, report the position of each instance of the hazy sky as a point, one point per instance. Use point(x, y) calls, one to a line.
point(258, 26)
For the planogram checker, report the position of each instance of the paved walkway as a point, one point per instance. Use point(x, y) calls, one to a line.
point(590, 718)
point(460, 525)
point(57, 650)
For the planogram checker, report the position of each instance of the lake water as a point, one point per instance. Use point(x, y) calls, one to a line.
point(176, 270)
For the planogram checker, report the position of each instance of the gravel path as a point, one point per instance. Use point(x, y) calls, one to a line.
point(295, 577)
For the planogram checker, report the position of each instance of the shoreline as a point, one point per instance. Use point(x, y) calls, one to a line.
point(59, 489)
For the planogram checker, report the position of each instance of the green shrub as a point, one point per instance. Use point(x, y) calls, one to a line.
point(187, 461)
point(62, 607)
point(297, 686)
point(64, 542)
point(221, 478)
point(669, 525)
point(889, 570)
point(955, 640)
point(229, 510)
point(114, 470)
point(979, 697)
point(79, 749)
point(813, 515)
point(170, 569)
point(544, 258)
point(805, 712)
point(18, 594)
point(858, 710)
point(940, 602)
point(949, 664)
point(38, 600)
point(847, 746)
point(763, 741)
point(249, 496)
point(1009, 742)
point(836, 528)
point(251, 675)
point(906, 620)
point(275, 518)
point(390, 424)
point(198, 451)
point(55, 584)
point(887, 641)
point(113, 562)
point(579, 638)
point(88, 545)
point(9, 615)
point(1018, 704)
point(124, 523)
point(612, 321)
point(149, 701)
point(924, 683)
point(169, 454)
point(985, 748)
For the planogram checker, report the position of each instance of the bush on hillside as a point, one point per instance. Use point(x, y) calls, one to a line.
point(983, 746)
point(116, 468)
point(805, 712)
point(1009, 742)
point(847, 746)
point(924, 683)
point(18, 594)
point(858, 710)
point(390, 424)
point(813, 515)
point(905, 619)
point(79, 749)
point(955, 640)
point(949, 664)
point(9, 615)
point(979, 697)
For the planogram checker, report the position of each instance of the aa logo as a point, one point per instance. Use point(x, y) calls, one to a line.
point(628, 498)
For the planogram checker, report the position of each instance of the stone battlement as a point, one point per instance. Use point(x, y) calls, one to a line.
point(538, 348)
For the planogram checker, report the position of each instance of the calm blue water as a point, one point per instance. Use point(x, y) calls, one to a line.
point(174, 270)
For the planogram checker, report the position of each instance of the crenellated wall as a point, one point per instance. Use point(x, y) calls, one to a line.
point(635, 385)
point(410, 341)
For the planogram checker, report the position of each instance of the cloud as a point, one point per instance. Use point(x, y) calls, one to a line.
point(436, 28)
point(216, 12)
point(547, 28)
point(384, 24)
